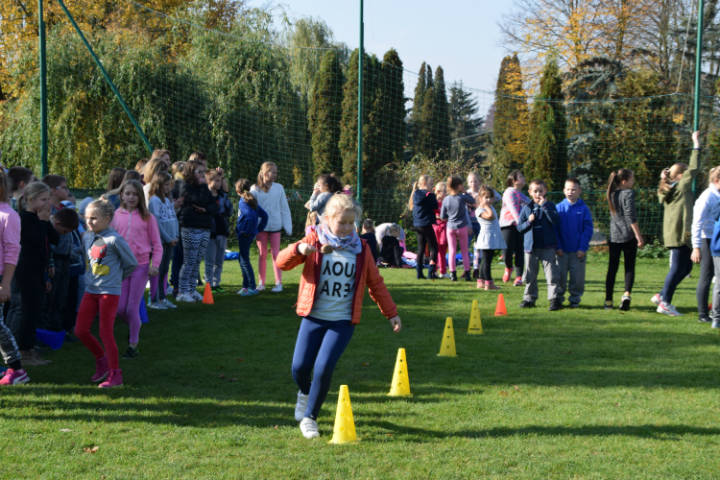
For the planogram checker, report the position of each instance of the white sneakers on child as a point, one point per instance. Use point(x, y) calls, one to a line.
point(664, 307)
point(300, 406)
point(309, 428)
point(185, 298)
point(277, 288)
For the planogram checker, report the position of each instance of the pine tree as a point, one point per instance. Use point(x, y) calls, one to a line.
point(388, 113)
point(348, 124)
point(548, 131)
point(426, 116)
point(441, 116)
point(417, 108)
point(464, 123)
point(324, 115)
point(510, 121)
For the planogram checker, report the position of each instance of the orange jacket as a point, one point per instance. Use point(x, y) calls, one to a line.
point(366, 274)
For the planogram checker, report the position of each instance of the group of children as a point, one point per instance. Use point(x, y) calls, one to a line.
point(64, 264)
point(533, 231)
point(530, 231)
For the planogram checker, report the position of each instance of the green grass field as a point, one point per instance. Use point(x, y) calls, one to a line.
point(583, 393)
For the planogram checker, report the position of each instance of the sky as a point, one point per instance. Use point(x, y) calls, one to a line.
point(462, 36)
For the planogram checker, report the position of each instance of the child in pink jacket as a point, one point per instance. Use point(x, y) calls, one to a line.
point(140, 230)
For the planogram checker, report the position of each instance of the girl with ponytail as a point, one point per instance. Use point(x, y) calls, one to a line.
point(625, 234)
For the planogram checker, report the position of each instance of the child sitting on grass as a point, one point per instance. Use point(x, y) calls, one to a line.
point(337, 267)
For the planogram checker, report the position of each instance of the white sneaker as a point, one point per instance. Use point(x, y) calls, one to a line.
point(185, 298)
point(277, 288)
point(301, 406)
point(169, 290)
point(157, 306)
point(196, 295)
point(667, 309)
point(309, 428)
point(243, 292)
point(260, 287)
point(656, 299)
point(168, 303)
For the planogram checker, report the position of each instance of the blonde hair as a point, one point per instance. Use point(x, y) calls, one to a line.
point(33, 190)
point(154, 166)
point(340, 203)
point(261, 175)
point(714, 174)
point(104, 207)
point(440, 186)
point(423, 183)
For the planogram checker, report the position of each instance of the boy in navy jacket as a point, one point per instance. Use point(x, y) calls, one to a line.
point(537, 222)
point(574, 231)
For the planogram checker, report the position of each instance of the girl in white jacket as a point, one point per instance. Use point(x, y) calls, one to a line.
point(705, 212)
point(271, 198)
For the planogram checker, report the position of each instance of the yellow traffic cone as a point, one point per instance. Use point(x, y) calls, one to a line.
point(447, 347)
point(400, 386)
point(475, 323)
point(344, 430)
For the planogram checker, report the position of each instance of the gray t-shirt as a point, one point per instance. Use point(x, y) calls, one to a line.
point(110, 261)
point(454, 210)
point(625, 215)
point(333, 297)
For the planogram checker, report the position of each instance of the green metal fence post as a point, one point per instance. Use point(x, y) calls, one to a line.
point(698, 71)
point(360, 107)
point(107, 78)
point(43, 91)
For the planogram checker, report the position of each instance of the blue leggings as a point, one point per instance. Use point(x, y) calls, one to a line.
point(317, 349)
point(680, 267)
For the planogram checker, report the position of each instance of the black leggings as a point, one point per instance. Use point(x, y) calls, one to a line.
point(426, 236)
point(514, 242)
point(486, 264)
point(629, 249)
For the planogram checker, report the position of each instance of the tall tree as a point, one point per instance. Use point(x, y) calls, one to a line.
point(348, 124)
point(465, 123)
point(307, 41)
point(426, 116)
point(546, 140)
point(415, 121)
point(510, 121)
point(388, 112)
point(324, 115)
point(440, 121)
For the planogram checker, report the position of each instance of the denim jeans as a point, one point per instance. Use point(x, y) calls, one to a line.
point(244, 243)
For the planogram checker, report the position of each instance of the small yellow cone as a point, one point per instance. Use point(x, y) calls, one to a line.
point(475, 323)
point(447, 347)
point(400, 386)
point(344, 430)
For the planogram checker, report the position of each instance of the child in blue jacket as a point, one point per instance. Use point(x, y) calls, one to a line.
point(251, 219)
point(537, 222)
point(574, 232)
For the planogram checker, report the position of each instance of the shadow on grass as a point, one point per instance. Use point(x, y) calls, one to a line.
point(656, 432)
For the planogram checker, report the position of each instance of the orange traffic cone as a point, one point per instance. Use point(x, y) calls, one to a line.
point(500, 308)
point(207, 295)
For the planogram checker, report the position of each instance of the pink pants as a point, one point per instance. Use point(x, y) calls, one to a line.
point(262, 242)
point(441, 260)
point(133, 290)
point(461, 235)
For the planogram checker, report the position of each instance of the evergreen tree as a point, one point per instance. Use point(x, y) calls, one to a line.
point(440, 116)
point(417, 108)
point(324, 115)
point(547, 137)
point(510, 121)
point(465, 123)
point(348, 124)
point(426, 116)
point(388, 114)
